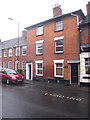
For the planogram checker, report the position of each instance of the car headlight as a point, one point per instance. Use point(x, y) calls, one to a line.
point(13, 77)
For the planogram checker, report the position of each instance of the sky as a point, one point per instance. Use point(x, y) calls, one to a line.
point(29, 12)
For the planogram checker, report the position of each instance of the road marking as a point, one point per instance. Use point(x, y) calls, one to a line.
point(73, 98)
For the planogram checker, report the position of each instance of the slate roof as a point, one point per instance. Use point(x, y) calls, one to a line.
point(85, 21)
point(13, 43)
point(61, 17)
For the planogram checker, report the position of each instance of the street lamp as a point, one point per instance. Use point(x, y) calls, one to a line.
point(18, 41)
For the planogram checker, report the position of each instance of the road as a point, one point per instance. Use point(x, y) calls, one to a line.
point(43, 100)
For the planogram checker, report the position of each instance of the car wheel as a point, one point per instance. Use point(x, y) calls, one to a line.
point(7, 81)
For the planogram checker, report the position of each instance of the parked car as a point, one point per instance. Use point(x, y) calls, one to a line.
point(10, 76)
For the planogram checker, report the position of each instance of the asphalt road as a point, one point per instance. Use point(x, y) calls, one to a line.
point(43, 100)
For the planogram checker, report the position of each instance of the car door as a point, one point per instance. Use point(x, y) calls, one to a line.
point(4, 75)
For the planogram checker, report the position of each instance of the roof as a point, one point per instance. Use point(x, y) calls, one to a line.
point(85, 21)
point(54, 18)
point(13, 43)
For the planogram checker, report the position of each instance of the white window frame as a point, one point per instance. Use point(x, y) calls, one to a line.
point(10, 62)
point(87, 65)
point(24, 47)
point(5, 52)
point(37, 62)
point(58, 25)
point(23, 68)
point(17, 62)
point(37, 43)
point(55, 62)
point(16, 51)
point(10, 52)
point(56, 39)
point(39, 30)
point(5, 64)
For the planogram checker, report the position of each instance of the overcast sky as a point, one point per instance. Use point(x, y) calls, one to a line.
point(29, 12)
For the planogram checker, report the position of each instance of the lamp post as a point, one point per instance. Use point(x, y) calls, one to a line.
point(18, 41)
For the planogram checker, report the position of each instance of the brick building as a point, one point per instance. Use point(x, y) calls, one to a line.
point(11, 55)
point(85, 47)
point(53, 48)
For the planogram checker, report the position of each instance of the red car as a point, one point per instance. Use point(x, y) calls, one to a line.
point(10, 76)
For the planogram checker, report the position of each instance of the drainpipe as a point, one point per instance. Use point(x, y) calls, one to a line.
point(77, 19)
point(79, 35)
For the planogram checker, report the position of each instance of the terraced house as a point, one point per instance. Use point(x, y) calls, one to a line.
point(53, 48)
point(12, 56)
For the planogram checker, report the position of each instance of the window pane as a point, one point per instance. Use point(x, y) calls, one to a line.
point(39, 65)
point(58, 71)
point(58, 25)
point(39, 72)
point(88, 70)
point(58, 49)
point(58, 65)
point(39, 30)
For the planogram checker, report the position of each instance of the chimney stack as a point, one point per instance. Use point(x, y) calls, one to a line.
point(57, 11)
point(88, 8)
point(24, 34)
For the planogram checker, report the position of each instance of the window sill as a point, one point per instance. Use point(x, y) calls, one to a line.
point(38, 54)
point(39, 35)
point(59, 52)
point(58, 30)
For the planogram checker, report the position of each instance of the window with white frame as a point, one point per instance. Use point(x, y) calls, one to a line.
point(17, 65)
point(24, 50)
point(0, 53)
point(10, 64)
point(5, 52)
point(39, 30)
point(59, 44)
point(17, 51)
point(87, 65)
point(23, 65)
point(58, 25)
point(5, 64)
point(39, 68)
point(10, 52)
point(39, 47)
point(59, 68)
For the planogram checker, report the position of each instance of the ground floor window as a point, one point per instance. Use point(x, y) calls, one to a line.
point(39, 68)
point(10, 65)
point(87, 65)
point(4, 64)
point(23, 65)
point(58, 68)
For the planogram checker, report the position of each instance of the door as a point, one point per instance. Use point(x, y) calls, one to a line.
point(74, 73)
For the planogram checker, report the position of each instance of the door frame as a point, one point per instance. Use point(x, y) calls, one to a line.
point(27, 71)
point(71, 74)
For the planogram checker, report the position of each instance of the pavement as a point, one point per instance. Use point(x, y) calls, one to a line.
point(73, 86)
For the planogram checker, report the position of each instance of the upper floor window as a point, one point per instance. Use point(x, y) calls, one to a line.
point(87, 65)
point(10, 52)
point(39, 30)
point(58, 25)
point(59, 44)
point(18, 51)
point(5, 52)
point(0, 53)
point(24, 50)
point(39, 47)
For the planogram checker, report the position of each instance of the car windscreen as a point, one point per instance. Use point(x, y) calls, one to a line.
point(11, 72)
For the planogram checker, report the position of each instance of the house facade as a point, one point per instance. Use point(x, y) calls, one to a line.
point(85, 48)
point(13, 56)
point(53, 48)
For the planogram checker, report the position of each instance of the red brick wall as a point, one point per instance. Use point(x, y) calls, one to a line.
point(70, 46)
